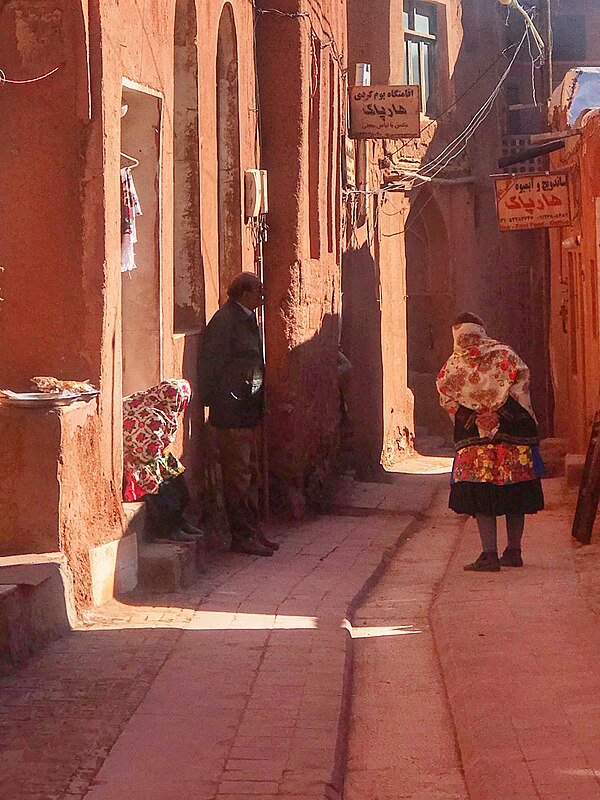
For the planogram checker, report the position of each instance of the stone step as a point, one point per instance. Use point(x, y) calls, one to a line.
point(165, 567)
point(35, 605)
point(553, 452)
point(136, 520)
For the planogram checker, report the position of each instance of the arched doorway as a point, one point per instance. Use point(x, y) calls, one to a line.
point(431, 301)
point(188, 277)
point(228, 153)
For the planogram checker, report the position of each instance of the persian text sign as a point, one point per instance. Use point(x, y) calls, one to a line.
point(385, 112)
point(533, 201)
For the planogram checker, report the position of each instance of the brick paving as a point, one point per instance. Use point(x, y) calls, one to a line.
point(232, 689)
point(401, 742)
point(520, 653)
point(465, 685)
point(493, 693)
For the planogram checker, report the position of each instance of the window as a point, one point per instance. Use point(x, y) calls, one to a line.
point(568, 38)
point(420, 33)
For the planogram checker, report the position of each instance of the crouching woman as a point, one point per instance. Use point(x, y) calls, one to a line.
point(151, 472)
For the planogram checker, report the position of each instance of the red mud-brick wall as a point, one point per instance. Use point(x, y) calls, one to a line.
point(575, 322)
point(60, 244)
point(301, 90)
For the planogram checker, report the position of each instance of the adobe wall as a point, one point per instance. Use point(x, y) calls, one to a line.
point(472, 265)
point(574, 334)
point(52, 283)
point(61, 244)
point(302, 254)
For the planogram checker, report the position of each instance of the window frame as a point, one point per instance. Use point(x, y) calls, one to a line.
point(427, 50)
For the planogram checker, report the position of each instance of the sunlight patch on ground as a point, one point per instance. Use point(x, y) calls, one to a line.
point(224, 620)
point(203, 620)
point(375, 631)
point(423, 465)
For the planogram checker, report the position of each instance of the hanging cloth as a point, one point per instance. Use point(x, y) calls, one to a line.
point(130, 209)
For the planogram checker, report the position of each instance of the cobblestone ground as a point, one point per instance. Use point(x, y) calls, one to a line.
point(480, 685)
point(233, 688)
point(62, 712)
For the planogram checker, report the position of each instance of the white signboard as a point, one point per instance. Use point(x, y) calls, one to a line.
point(385, 112)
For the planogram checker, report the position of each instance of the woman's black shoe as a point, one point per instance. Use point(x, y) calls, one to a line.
point(487, 562)
point(192, 529)
point(512, 557)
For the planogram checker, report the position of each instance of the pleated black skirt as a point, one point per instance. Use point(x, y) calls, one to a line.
point(471, 498)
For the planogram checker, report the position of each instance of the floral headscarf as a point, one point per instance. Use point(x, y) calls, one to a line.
point(150, 421)
point(482, 373)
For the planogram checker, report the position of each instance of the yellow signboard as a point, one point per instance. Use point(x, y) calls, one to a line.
point(385, 112)
point(533, 201)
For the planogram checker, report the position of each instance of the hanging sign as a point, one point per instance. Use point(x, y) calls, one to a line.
point(349, 156)
point(385, 112)
point(541, 200)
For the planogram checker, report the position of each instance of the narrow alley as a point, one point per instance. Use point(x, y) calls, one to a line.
point(363, 664)
point(299, 399)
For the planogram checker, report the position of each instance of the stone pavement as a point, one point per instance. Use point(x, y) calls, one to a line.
point(402, 741)
point(520, 654)
point(483, 686)
point(235, 688)
point(463, 685)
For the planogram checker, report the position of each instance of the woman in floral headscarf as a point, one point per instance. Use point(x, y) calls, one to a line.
point(484, 386)
point(150, 470)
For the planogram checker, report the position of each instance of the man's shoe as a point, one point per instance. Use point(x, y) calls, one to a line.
point(179, 536)
point(487, 562)
point(251, 546)
point(266, 542)
point(192, 529)
point(512, 557)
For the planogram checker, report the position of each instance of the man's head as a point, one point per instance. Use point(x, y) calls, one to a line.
point(247, 289)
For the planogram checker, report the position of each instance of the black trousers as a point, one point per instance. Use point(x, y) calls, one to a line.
point(165, 509)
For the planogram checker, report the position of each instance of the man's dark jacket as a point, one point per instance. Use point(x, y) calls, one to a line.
point(231, 369)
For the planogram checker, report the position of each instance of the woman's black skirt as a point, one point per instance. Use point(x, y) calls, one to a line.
point(471, 498)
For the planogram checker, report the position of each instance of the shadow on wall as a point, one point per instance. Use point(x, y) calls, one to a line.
point(303, 420)
point(430, 308)
point(361, 343)
point(200, 453)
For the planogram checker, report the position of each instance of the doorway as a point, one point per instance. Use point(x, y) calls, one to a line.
point(430, 309)
point(141, 328)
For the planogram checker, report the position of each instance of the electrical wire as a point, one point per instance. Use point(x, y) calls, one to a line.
point(460, 143)
point(458, 99)
point(450, 153)
point(4, 79)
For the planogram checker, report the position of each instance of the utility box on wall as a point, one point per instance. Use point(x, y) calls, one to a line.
point(255, 193)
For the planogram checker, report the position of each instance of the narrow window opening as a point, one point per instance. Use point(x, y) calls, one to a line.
point(420, 38)
point(188, 275)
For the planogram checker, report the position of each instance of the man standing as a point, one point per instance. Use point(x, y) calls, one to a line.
point(232, 384)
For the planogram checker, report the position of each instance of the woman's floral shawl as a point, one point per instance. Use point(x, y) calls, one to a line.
point(482, 373)
point(150, 421)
